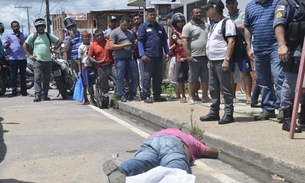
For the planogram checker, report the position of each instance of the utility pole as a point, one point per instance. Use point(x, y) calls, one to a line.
point(48, 16)
point(28, 16)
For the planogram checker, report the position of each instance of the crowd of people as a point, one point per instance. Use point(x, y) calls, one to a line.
point(200, 53)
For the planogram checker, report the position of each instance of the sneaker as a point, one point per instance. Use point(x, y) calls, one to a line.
point(123, 99)
point(148, 100)
point(37, 99)
point(113, 172)
point(134, 98)
point(206, 100)
point(45, 98)
point(160, 99)
point(286, 126)
point(264, 115)
point(280, 116)
point(226, 119)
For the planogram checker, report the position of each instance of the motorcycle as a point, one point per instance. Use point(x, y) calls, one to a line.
point(62, 75)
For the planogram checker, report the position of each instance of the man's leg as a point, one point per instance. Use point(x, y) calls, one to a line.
point(14, 75)
point(204, 76)
point(37, 66)
point(104, 72)
point(194, 70)
point(148, 72)
point(132, 72)
point(172, 77)
point(120, 65)
point(22, 71)
point(157, 77)
point(47, 68)
point(264, 80)
point(245, 69)
point(141, 75)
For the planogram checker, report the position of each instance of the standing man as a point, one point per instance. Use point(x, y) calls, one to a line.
point(122, 43)
point(289, 51)
point(137, 20)
point(152, 42)
point(195, 35)
point(266, 60)
point(42, 43)
point(17, 58)
point(72, 42)
point(219, 52)
point(244, 67)
point(99, 52)
point(2, 53)
point(112, 26)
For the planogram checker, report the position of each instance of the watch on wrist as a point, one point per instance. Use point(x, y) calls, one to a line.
point(228, 58)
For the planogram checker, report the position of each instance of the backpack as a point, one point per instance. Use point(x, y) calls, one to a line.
point(296, 28)
point(35, 37)
point(240, 47)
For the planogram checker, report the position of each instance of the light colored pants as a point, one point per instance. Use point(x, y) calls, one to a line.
point(171, 72)
point(141, 72)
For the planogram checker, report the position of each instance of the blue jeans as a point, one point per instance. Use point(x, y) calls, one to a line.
point(269, 71)
point(14, 66)
point(122, 65)
point(166, 151)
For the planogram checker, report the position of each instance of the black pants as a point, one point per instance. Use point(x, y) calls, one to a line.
point(20, 65)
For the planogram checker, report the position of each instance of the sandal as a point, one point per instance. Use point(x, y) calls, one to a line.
point(191, 102)
point(183, 100)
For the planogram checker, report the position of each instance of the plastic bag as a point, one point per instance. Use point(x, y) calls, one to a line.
point(78, 94)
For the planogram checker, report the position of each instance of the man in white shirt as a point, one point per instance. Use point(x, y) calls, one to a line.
point(219, 52)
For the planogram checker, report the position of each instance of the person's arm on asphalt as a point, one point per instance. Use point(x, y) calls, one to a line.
point(210, 152)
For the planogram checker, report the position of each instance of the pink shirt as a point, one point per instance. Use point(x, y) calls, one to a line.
point(196, 147)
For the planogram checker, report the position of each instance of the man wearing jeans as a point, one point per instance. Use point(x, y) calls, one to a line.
point(17, 58)
point(170, 148)
point(122, 42)
point(41, 56)
point(258, 23)
point(152, 43)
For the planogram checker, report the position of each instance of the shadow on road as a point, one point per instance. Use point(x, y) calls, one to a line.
point(2, 144)
point(12, 181)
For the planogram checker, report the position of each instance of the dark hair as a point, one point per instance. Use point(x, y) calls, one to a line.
point(150, 10)
point(98, 31)
point(126, 18)
point(196, 7)
point(136, 15)
point(15, 21)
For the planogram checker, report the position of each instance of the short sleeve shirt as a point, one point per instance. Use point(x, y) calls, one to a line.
point(118, 36)
point(197, 35)
point(83, 55)
point(42, 45)
point(217, 46)
point(100, 52)
point(74, 45)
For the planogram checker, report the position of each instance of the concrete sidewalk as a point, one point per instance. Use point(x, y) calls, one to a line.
point(262, 143)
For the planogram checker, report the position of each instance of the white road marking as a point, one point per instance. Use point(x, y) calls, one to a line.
point(219, 176)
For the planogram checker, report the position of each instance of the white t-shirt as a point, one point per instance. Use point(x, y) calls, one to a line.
point(83, 54)
point(216, 46)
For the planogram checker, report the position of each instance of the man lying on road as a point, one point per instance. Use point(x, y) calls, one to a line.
point(170, 148)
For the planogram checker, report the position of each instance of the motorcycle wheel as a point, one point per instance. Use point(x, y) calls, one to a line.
point(29, 81)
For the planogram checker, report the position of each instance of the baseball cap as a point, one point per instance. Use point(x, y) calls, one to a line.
point(215, 4)
point(113, 18)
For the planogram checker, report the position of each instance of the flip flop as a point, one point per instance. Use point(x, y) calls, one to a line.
point(191, 102)
point(183, 100)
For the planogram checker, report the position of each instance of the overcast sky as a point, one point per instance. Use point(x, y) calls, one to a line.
point(9, 12)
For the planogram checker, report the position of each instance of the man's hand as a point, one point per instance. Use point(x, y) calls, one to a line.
point(32, 57)
point(225, 65)
point(144, 58)
point(100, 61)
point(167, 57)
point(189, 58)
point(283, 53)
point(71, 35)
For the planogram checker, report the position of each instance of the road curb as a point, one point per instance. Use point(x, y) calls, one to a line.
point(274, 165)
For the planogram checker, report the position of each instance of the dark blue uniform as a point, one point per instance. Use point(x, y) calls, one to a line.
point(285, 12)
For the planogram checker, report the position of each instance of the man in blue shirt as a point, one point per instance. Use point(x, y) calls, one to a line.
point(17, 58)
point(152, 43)
point(290, 54)
point(72, 42)
point(258, 24)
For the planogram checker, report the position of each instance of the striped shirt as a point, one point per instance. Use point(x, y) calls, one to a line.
point(74, 45)
point(259, 17)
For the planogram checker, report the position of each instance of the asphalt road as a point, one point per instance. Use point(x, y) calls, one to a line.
point(67, 142)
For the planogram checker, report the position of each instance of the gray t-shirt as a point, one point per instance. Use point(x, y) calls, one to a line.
point(197, 35)
point(118, 36)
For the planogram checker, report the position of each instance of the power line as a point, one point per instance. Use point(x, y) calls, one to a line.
point(41, 7)
point(28, 16)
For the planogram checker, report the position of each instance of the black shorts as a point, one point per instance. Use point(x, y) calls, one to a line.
point(181, 71)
